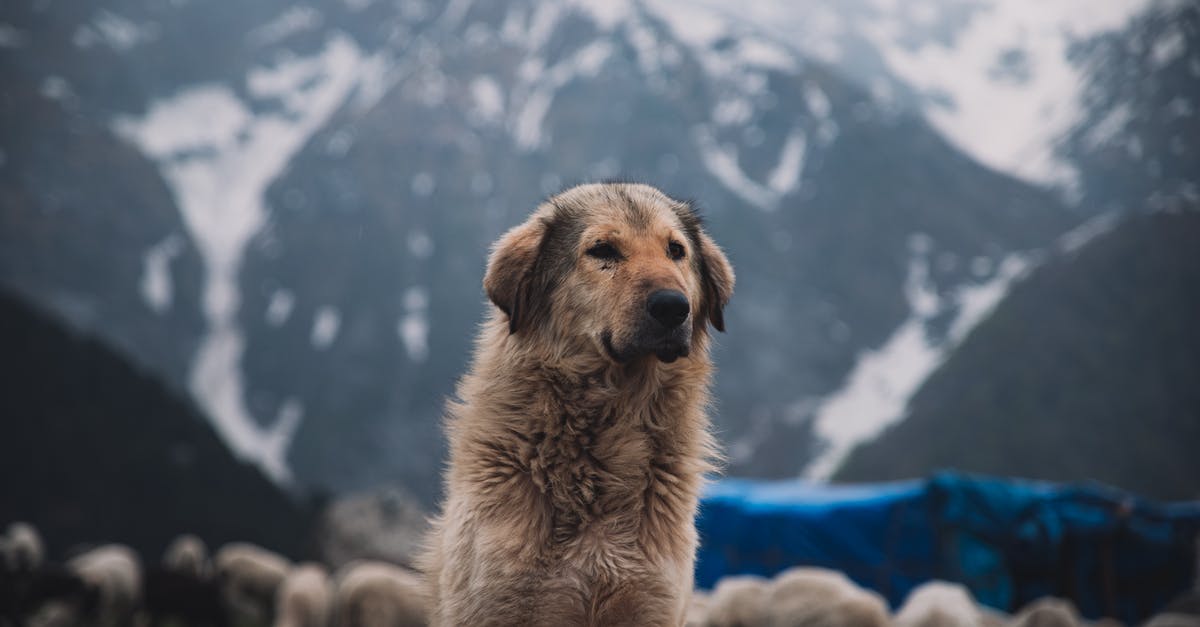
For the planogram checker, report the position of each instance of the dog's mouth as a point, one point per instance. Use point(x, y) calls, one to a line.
point(667, 349)
point(668, 354)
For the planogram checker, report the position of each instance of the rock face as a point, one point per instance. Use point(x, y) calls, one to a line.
point(94, 450)
point(1085, 370)
point(1140, 107)
point(297, 202)
point(385, 525)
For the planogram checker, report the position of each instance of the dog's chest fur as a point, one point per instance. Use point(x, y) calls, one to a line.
point(590, 465)
point(607, 461)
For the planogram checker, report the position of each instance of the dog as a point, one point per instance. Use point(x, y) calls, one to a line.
point(579, 438)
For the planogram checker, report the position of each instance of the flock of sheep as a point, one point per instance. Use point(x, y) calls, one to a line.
point(242, 584)
point(814, 597)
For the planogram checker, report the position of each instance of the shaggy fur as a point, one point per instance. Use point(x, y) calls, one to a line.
point(579, 439)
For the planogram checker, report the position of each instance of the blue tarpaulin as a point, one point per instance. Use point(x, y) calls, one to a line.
point(1010, 542)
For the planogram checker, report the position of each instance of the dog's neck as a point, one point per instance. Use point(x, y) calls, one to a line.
point(533, 392)
point(577, 371)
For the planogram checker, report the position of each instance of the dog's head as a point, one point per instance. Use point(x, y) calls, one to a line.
point(621, 265)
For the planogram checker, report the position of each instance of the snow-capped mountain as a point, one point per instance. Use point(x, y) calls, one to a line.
point(303, 196)
point(996, 77)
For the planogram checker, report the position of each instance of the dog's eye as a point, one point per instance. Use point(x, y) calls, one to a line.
point(675, 249)
point(603, 250)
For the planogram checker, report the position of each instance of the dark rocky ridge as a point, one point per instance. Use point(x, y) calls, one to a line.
point(1087, 370)
point(96, 451)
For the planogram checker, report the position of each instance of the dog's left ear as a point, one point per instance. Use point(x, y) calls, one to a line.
point(716, 277)
point(509, 282)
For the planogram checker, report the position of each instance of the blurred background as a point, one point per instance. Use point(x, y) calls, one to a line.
point(241, 244)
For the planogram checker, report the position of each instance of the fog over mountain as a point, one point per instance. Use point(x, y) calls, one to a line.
point(284, 209)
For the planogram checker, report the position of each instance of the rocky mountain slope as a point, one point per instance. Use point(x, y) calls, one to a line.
point(1086, 371)
point(95, 450)
point(1135, 144)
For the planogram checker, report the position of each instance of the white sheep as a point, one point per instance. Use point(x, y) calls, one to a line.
point(1048, 612)
point(939, 604)
point(374, 594)
point(305, 598)
point(23, 549)
point(737, 601)
point(114, 572)
point(697, 609)
point(1173, 620)
point(188, 555)
point(250, 577)
point(815, 597)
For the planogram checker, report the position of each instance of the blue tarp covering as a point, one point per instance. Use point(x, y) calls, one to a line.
point(1010, 542)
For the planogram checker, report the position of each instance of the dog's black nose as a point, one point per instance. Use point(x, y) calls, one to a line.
point(669, 307)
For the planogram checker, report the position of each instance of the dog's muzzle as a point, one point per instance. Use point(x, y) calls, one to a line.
point(663, 331)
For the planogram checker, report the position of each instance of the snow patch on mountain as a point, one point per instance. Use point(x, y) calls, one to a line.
point(876, 392)
point(1109, 127)
point(721, 160)
point(538, 85)
point(206, 117)
point(975, 302)
point(786, 175)
point(219, 157)
point(295, 20)
point(1007, 90)
point(10, 37)
point(765, 54)
point(279, 308)
point(488, 98)
point(327, 321)
point(994, 76)
point(736, 55)
point(377, 74)
point(816, 101)
point(1169, 47)
point(1079, 236)
point(114, 30)
point(58, 89)
point(156, 285)
point(608, 14)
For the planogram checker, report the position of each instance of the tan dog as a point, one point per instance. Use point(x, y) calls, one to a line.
point(579, 441)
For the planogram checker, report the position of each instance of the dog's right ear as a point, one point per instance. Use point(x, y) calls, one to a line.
point(509, 281)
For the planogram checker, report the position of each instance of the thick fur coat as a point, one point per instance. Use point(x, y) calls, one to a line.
point(579, 439)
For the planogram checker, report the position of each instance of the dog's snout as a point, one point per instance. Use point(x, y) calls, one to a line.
point(669, 307)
